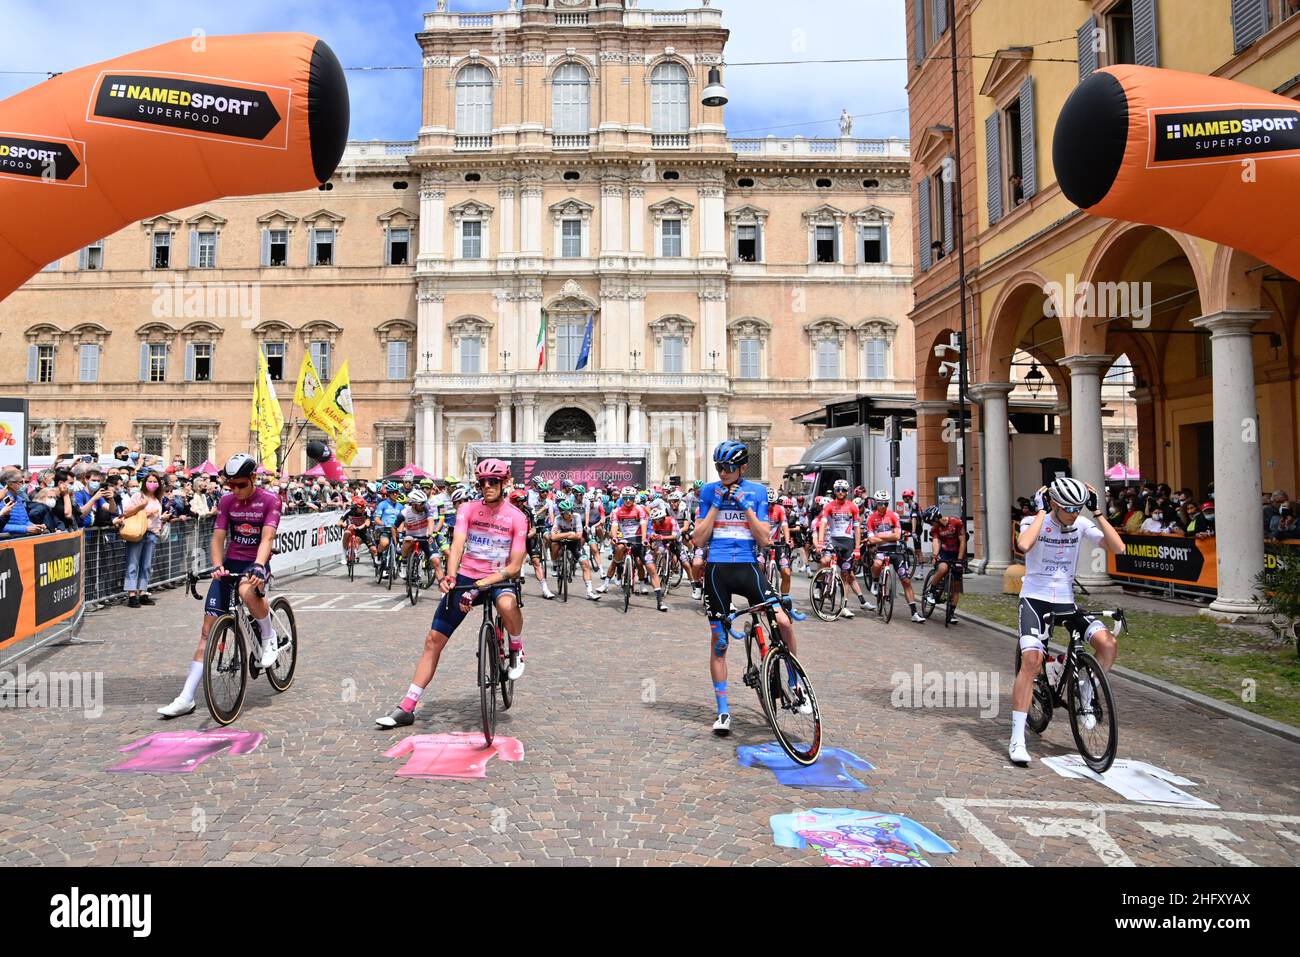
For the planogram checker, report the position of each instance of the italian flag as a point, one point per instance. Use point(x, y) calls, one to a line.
point(541, 343)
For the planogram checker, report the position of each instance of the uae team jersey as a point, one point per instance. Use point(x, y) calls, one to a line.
point(1050, 565)
point(829, 773)
point(179, 752)
point(840, 517)
point(628, 518)
point(848, 838)
point(244, 521)
point(415, 524)
point(456, 754)
point(491, 534)
point(732, 540)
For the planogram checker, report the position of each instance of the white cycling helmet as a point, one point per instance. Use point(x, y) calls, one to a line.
point(240, 465)
point(657, 512)
point(771, 495)
point(880, 495)
point(1068, 492)
point(459, 493)
point(416, 497)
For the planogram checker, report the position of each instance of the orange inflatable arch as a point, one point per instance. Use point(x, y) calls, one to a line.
point(87, 152)
point(1210, 157)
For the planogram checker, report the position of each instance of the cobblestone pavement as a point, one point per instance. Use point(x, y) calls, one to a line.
point(620, 766)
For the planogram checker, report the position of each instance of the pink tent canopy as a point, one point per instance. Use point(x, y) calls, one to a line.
point(415, 470)
point(261, 470)
point(315, 472)
point(207, 468)
point(1119, 472)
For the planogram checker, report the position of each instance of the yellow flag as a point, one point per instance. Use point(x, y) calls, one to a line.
point(345, 448)
point(309, 393)
point(335, 406)
point(268, 420)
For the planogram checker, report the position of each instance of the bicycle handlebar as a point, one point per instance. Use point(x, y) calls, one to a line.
point(728, 620)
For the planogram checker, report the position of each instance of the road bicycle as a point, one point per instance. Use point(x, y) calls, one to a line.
point(227, 665)
point(668, 558)
point(350, 555)
point(493, 657)
point(419, 569)
point(784, 691)
point(826, 593)
point(888, 585)
point(772, 569)
point(1082, 689)
point(945, 596)
point(386, 565)
point(564, 572)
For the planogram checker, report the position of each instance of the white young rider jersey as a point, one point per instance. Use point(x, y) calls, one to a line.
point(1050, 565)
point(415, 524)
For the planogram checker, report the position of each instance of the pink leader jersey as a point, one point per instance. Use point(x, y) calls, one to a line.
point(491, 534)
point(455, 754)
point(244, 521)
point(179, 752)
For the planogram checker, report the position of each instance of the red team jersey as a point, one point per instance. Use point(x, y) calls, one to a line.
point(839, 519)
point(949, 535)
point(628, 518)
point(878, 524)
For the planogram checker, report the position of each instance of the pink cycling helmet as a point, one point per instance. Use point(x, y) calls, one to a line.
point(492, 468)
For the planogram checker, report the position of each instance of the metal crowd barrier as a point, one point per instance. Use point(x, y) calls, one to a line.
point(186, 548)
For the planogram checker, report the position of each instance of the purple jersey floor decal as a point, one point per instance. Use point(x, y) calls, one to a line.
point(455, 754)
point(180, 752)
point(830, 772)
point(848, 838)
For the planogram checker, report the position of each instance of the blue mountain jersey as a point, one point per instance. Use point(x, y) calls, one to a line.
point(386, 513)
point(849, 838)
point(829, 773)
point(732, 541)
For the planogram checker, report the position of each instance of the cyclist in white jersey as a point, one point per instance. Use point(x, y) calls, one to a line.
point(1051, 543)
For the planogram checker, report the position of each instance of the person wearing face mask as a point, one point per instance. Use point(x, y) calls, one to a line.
point(93, 499)
point(139, 555)
point(1159, 523)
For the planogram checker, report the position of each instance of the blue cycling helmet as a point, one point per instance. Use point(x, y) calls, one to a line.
point(731, 453)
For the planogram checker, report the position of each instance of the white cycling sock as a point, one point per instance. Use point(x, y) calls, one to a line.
point(192, 680)
point(266, 627)
point(1018, 726)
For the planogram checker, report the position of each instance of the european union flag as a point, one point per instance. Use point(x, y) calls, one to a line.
point(585, 354)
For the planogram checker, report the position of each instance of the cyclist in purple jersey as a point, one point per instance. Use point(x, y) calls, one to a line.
point(243, 538)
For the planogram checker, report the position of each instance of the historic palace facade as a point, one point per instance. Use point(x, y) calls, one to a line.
point(565, 177)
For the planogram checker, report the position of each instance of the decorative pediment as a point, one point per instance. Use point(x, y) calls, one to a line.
point(44, 333)
point(398, 217)
point(571, 298)
point(672, 326)
point(471, 327)
point(156, 331)
point(873, 215)
point(1007, 71)
point(827, 328)
point(272, 329)
point(876, 328)
point(936, 143)
point(572, 209)
point(162, 223)
point(323, 219)
point(321, 329)
point(277, 216)
point(470, 209)
point(746, 215)
point(395, 330)
point(202, 331)
point(206, 218)
point(671, 208)
point(89, 332)
point(749, 327)
point(824, 215)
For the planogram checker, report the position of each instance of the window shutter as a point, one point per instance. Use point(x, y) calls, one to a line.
point(1249, 21)
point(311, 246)
point(940, 14)
point(266, 247)
point(144, 362)
point(216, 245)
point(32, 353)
point(758, 243)
point(1028, 154)
point(83, 256)
point(1087, 51)
point(1146, 37)
point(994, 143)
point(884, 242)
point(212, 362)
point(189, 362)
point(166, 354)
point(923, 218)
point(947, 210)
point(918, 29)
point(194, 248)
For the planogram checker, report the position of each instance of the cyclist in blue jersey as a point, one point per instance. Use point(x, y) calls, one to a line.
point(387, 512)
point(733, 525)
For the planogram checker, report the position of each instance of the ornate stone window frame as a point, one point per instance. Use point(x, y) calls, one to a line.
point(825, 215)
point(873, 216)
point(572, 303)
point(204, 222)
point(470, 327)
point(571, 208)
point(162, 223)
point(748, 327)
point(471, 210)
point(671, 208)
point(673, 325)
point(876, 329)
point(825, 329)
point(748, 215)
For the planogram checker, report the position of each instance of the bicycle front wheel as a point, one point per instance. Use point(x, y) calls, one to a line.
point(392, 566)
point(791, 706)
point(825, 594)
point(562, 576)
point(675, 571)
point(352, 565)
point(629, 574)
point(888, 588)
point(286, 629)
point(927, 602)
point(1092, 715)
point(489, 670)
point(225, 670)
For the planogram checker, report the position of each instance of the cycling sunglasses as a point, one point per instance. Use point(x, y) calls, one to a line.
point(1071, 509)
point(487, 480)
point(239, 485)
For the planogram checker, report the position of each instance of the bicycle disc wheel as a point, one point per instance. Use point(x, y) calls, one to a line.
point(927, 605)
point(225, 670)
point(1040, 705)
point(785, 689)
point(821, 594)
point(888, 589)
point(488, 671)
point(286, 628)
point(1097, 744)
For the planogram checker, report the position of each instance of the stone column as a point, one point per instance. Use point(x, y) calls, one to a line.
point(1087, 458)
point(506, 242)
point(611, 220)
point(636, 220)
point(503, 419)
point(530, 225)
point(1237, 480)
point(429, 326)
point(608, 422)
point(620, 419)
point(712, 222)
point(529, 433)
point(437, 437)
point(711, 429)
point(635, 434)
point(433, 216)
point(992, 396)
point(691, 467)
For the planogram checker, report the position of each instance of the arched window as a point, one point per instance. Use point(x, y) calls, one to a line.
point(670, 89)
point(570, 425)
point(474, 101)
point(570, 99)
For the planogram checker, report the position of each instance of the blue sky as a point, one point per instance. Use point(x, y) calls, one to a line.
point(777, 100)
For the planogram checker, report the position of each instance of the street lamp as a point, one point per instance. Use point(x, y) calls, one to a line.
point(715, 94)
point(428, 359)
point(713, 360)
point(1034, 379)
point(636, 357)
point(505, 361)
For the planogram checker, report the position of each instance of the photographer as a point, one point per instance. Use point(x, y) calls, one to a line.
point(14, 518)
point(96, 498)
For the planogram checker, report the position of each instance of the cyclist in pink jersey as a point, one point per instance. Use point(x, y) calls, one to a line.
point(487, 552)
point(243, 538)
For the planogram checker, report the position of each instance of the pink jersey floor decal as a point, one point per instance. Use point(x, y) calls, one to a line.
point(180, 752)
point(455, 754)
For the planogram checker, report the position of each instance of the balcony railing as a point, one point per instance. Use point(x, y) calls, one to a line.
point(799, 146)
point(474, 21)
point(700, 17)
point(570, 19)
point(570, 141)
point(601, 381)
point(473, 144)
point(670, 141)
point(376, 149)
